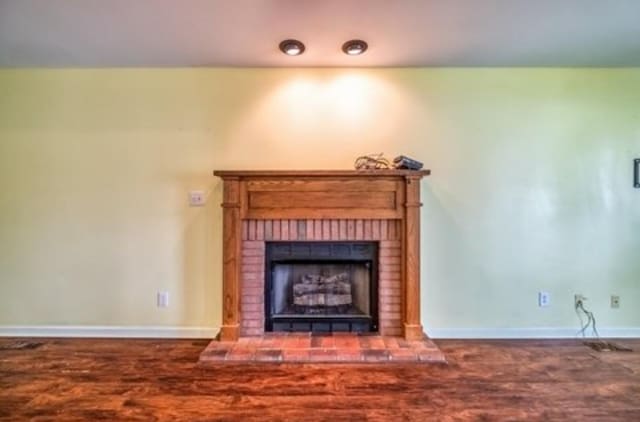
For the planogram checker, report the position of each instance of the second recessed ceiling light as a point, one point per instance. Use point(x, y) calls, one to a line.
point(354, 47)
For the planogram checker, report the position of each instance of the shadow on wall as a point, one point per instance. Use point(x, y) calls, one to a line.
point(446, 262)
point(201, 247)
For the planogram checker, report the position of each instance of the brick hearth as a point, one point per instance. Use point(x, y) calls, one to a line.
point(322, 347)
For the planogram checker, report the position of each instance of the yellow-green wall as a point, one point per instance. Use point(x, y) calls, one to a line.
point(531, 187)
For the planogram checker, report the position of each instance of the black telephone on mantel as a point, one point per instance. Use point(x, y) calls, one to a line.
point(403, 162)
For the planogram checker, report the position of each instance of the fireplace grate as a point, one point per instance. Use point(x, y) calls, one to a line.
point(322, 325)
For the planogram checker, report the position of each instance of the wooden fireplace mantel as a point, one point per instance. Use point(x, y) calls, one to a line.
point(321, 194)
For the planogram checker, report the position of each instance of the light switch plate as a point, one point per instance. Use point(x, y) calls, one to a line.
point(196, 198)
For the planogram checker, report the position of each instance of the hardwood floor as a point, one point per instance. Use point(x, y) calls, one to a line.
point(82, 379)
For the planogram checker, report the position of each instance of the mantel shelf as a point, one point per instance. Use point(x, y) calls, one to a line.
point(320, 173)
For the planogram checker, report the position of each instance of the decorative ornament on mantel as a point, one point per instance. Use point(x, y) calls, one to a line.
point(372, 162)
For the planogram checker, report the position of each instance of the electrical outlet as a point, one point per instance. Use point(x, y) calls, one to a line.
point(196, 198)
point(615, 301)
point(544, 299)
point(163, 299)
point(578, 298)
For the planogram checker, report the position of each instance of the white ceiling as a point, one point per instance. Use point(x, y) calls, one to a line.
point(97, 33)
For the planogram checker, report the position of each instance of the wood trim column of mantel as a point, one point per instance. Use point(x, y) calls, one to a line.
point(231, 259)
point(411, 238)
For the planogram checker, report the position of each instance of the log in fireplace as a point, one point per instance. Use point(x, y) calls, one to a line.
point(321, 209)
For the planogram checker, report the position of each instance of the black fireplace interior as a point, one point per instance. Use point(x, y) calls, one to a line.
point(321, 286)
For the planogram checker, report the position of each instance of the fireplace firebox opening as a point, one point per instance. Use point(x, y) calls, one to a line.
point(321, 286)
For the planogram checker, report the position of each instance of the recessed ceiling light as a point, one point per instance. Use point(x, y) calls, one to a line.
point(354, 47)
point(292, 47)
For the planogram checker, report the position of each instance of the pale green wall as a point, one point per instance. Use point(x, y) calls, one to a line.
point(531, 187)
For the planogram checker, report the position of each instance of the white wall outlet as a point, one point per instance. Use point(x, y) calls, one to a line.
point(544, 299)
point(196, 198)
point(578, 298)
point(163, 299)
point(615, 301)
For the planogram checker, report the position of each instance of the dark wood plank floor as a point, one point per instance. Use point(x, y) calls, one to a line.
point(66, 379)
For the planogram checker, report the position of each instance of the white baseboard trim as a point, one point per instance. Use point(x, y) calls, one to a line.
point(514, 333)
point(107, 331)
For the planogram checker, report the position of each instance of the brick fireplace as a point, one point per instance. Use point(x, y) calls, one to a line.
point(268, 207)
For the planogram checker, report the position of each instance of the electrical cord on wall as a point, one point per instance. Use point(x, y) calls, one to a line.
point(591, 319)
point(598, 344)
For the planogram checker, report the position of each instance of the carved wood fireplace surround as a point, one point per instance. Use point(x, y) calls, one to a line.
point(382, 206)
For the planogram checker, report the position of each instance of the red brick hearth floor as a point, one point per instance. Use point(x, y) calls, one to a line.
point(321, 347)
